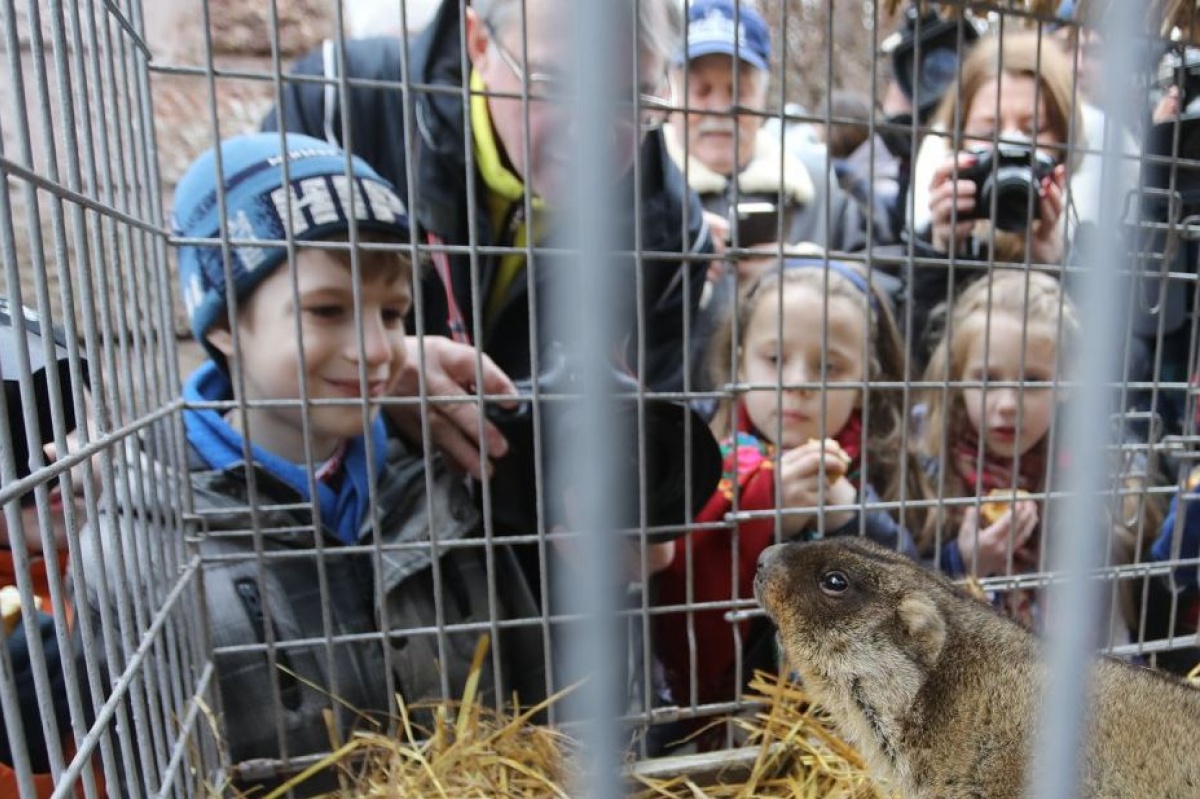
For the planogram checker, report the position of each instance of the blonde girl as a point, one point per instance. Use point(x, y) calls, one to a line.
point(989, 432)
point(1001, 340)
point(802, 322)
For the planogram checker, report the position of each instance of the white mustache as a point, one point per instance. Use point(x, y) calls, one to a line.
point(707, 126)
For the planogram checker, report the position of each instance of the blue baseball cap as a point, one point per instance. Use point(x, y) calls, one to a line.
point(712, 29)
point(322, 196)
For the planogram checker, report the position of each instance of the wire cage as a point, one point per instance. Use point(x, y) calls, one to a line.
point(874, 269)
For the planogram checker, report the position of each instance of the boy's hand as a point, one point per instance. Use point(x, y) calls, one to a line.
point(453, 427)
point(800, 474)
point(990, 556)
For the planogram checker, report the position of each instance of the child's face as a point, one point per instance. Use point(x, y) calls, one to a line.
point(800, 349)
point(271, 361)
point(994, 416)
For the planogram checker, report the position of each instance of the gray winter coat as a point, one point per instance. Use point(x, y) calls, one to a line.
point(380, 603)
point(797, 177)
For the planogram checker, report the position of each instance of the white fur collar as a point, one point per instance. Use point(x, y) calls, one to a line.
point(760, 176)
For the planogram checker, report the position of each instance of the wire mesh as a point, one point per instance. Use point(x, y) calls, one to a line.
point(870, 318)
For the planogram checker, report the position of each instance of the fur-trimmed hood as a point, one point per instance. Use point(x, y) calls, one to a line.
point(761, 175)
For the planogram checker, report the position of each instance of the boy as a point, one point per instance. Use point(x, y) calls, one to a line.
point(36, 537)
point(321, 603)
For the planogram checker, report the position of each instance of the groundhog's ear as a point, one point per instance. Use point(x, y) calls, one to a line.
point(924, 625)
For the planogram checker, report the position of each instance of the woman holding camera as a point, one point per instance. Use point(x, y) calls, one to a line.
point(1016, 116)
point(990, 182)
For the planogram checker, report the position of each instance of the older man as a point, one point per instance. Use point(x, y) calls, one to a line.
point(750, 184)
point(725, 67)
point(473, 167)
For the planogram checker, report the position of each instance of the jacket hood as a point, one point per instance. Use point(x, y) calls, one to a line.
point(761, 176)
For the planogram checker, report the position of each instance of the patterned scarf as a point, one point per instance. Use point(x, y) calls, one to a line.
point(1028, 473)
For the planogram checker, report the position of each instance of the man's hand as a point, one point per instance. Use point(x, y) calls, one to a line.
point(454, 427)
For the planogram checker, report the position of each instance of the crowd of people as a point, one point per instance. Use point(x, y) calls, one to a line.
point(346, 559)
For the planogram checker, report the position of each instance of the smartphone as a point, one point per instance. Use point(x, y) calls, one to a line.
point(756, 223)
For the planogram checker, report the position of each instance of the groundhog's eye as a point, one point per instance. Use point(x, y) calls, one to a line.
point(834, 582)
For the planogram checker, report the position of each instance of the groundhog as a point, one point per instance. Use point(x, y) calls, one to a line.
point(941, 695)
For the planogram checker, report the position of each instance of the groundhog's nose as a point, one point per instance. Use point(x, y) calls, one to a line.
point(769, 556)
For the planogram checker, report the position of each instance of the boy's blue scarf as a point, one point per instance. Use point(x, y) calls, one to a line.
point(342, 511)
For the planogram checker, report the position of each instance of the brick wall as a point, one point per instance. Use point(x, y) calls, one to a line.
point(182, 127)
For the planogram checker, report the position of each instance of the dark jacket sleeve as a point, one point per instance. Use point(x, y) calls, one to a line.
point(23, 682)
point(302, 108)
point(673, 275)
point(847, 222)
point(1189, 547)
point(877, 525)
point(951, 561)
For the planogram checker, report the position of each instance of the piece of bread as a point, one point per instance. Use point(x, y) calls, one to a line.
point(1001, 500)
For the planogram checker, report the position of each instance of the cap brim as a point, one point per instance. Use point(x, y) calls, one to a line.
point(697, 49)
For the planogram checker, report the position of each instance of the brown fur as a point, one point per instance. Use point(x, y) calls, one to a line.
point(941, 695)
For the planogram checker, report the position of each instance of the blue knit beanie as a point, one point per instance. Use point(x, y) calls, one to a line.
point(256, 207)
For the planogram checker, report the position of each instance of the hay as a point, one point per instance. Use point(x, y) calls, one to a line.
point(474, 752)
point(798, 755)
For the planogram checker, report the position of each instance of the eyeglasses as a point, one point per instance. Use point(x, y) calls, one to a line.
point(653, 109)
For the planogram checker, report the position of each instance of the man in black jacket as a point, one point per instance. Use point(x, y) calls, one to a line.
point(491, 174)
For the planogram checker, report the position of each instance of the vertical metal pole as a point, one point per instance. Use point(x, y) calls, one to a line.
point(1078, 538)
point(586, 304)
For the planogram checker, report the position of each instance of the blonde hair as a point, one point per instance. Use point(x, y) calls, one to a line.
point(885, 415)
point(1019, 54)
point(1034, 299)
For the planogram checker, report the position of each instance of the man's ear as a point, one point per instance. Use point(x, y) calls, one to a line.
point(477, 38)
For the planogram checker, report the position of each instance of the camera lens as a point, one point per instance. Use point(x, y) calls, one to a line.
point(1012, 186)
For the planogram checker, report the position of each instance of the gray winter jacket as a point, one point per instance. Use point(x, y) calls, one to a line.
point(356, 632)
point(775, 173)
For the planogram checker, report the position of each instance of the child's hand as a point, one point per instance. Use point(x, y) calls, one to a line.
point(803, 484)
point(985, 552)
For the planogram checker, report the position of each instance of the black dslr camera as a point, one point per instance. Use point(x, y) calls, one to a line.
point(1011, 174)
point(669, 438)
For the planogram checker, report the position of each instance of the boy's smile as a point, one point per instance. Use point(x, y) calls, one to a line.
point(321, 311)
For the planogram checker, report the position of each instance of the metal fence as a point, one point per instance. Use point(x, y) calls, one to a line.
point(186, 630)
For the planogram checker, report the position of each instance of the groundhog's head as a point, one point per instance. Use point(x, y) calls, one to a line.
point(845, 604)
